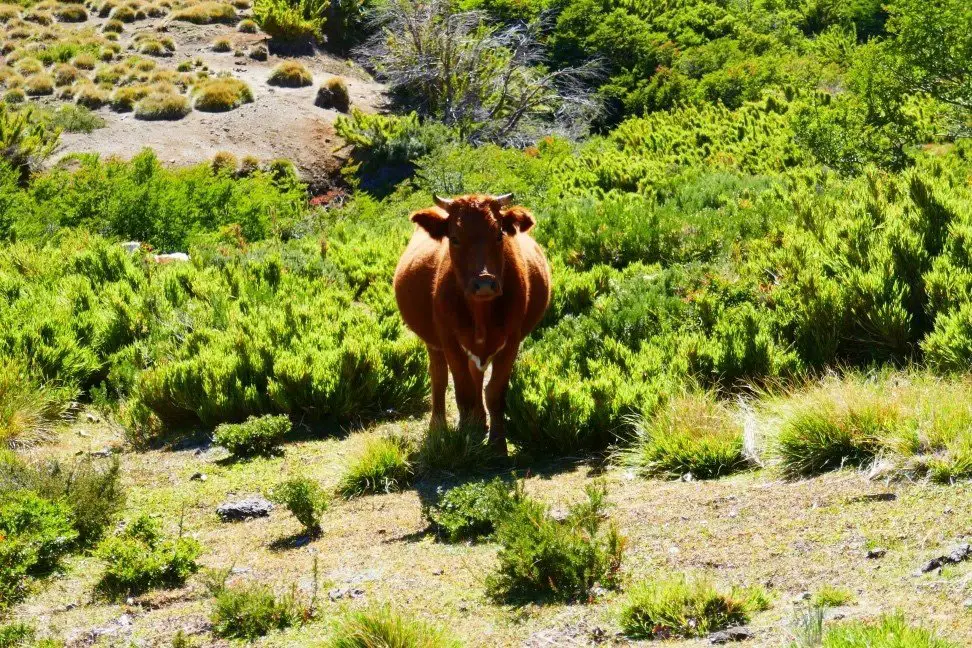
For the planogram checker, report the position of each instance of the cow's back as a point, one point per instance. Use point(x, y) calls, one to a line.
point(538, 279)
point(414, 284)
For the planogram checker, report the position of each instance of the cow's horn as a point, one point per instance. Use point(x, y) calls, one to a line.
point(444, 203)
point(505, 199)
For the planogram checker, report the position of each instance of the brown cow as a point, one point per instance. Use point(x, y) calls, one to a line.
point(472, 284)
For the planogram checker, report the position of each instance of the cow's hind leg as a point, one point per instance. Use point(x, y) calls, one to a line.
point(439, 372)
point(496, 396)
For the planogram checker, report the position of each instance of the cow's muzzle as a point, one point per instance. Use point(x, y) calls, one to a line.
point(484, 287)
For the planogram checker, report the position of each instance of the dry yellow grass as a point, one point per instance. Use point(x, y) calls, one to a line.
point(221, 94)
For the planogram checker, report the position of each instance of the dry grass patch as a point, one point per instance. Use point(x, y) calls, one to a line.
point(259, 53)
point(28, 412)
point(247, 26)
point(39, 85)
point(84, 61)
point(39, 17)
point(334, 94)
point(14, 96)
point(71, 13)
point(90, 95)
point(222, 45)
point(205, 13)
point(65, 74)
point(123, 14)
point(9, 12)
point(28, 65)
point(124, 99)
point(290, 74)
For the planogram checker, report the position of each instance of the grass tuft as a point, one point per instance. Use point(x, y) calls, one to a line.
point(888, 631)
point(71, 13)
point(682, 607)
point(205, 13)
point(383, 466)
point(452, 449)
point(162, 105)
point(222, 44)
point(221, 94)
point(290, 74)
point(381, 627)
point(28, 411)
point(695, 434)
point(832, 596)
point(247, 26)
point(90, 96)
point(334, 94)
point(38, 85)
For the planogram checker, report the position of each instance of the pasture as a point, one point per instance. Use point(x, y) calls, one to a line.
point(745, 416)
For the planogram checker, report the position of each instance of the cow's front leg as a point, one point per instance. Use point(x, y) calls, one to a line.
point(439, 373)
point(496, 395)
point(469, 388)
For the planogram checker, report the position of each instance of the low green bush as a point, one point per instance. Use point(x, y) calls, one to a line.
point(472, 511)
point(384, 465)
point(543, 558)
point(90, 488)
point(140, 558)
point(381, 626)
point(252, 611)
point(76, 119)
point(257, 436)
point(290, 74)
point(389, 139)
point(693, 434)
point(305, 499)
point(292, 21)
point(36, 534)
point(681, 607)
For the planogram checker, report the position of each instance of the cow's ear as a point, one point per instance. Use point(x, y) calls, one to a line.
point(517, 219)
point(433, 220)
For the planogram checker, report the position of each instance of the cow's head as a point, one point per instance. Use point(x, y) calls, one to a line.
point(477, 227)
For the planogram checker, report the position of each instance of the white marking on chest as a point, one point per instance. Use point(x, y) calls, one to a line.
point(479, 363)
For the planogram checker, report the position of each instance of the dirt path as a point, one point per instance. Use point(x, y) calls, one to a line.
point(280, 123)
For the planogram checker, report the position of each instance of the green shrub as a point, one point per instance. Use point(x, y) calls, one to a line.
point(305, 499)
point(291, 20)
point(76, 119)
point(542, 558)
point(205, 13)
point(472, 511)
point(140, 558)
point(90, 488)
point(693, 434)
point(681, 607)
point(381, 626)
point(333, 94)
point(221, 94)
point(889, 631)
point(252, 611)
point(384, 465)
point(257, 436)
point(388, 139)
point(162, 105)
point(25, 140)
point(290, 74)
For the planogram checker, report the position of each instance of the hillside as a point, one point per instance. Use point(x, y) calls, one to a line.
point(745, 416)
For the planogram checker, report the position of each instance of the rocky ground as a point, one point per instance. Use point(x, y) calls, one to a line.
point(841, 529)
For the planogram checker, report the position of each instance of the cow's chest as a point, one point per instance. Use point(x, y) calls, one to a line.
point(481, 351)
